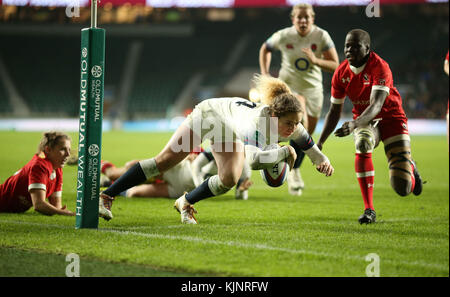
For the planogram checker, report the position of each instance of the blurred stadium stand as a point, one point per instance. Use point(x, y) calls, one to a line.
point(40, 48)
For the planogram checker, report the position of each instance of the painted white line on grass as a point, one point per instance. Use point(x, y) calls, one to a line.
point(258, 246)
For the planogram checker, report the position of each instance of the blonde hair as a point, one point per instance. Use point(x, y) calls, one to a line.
point(269, 88)
point(302, 6)
point(277, 95)
point(51, 139)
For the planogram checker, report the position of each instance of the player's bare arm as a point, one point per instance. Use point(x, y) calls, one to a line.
point(41, 206)
point(265, 57)
point(329, 62)
point(307, 145)
point(258, 159)
point(322, 163)
point(377, 98)
point(54, 200)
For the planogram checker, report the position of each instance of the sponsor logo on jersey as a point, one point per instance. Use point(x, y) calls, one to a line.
point(289, 46)
point(345, 80)
point(313, 47)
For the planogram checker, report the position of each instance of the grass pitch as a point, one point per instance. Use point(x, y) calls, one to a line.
point(271, 234)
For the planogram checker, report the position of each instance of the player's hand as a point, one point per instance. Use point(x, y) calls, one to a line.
point(346, 129)
point(309, 53)
point(66, 211)
point(245, 185)
point(325, 168)
point(292, 157)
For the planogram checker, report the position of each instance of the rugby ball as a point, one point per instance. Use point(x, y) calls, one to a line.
point(277, 174)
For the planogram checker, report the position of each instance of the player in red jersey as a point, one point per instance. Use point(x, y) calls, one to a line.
point(367, 81)
point(39, 179)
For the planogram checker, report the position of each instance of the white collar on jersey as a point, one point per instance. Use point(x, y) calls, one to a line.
point(357, 70)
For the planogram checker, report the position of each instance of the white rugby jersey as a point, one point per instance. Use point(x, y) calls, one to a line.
point(296, 70)
point(249, 121)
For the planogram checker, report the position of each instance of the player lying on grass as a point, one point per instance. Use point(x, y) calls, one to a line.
point(40, 179)
point(184, 176)
point(367, 81)
point(229, 123)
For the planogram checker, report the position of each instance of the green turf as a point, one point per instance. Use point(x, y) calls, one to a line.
point(271, 234)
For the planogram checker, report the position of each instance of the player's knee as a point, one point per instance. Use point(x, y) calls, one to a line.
point(217, 186)
point(364, 141)
point(363, 146)
point(229, 179)
point(400, 170)
point(401, 186)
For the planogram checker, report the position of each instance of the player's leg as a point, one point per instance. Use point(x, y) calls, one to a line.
point(403, 174)
point(229, 164)
point(366, 139)
point(178, 147)
point(171, 155)
point(149, 190)
point(244, 183)
point(112, 172)
point(312, 123)
point(312, 106)
point(305, 117)
point(203, 159)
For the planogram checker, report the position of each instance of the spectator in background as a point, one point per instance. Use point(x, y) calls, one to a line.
point(306, 50)
point(40, 179)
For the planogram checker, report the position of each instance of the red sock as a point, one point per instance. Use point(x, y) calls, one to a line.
point(366, 175)
point(105, 165)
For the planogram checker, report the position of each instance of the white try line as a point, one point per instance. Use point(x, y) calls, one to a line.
point(257, 246)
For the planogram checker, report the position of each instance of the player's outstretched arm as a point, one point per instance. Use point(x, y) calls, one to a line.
point(377, 98)
point(259, 159)
point(321, 161)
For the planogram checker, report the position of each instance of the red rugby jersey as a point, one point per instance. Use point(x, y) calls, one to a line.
point(357, 84)
point(36, 174)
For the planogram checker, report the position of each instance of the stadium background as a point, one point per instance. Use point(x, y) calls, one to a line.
point(159, 63)
point(163, 57)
